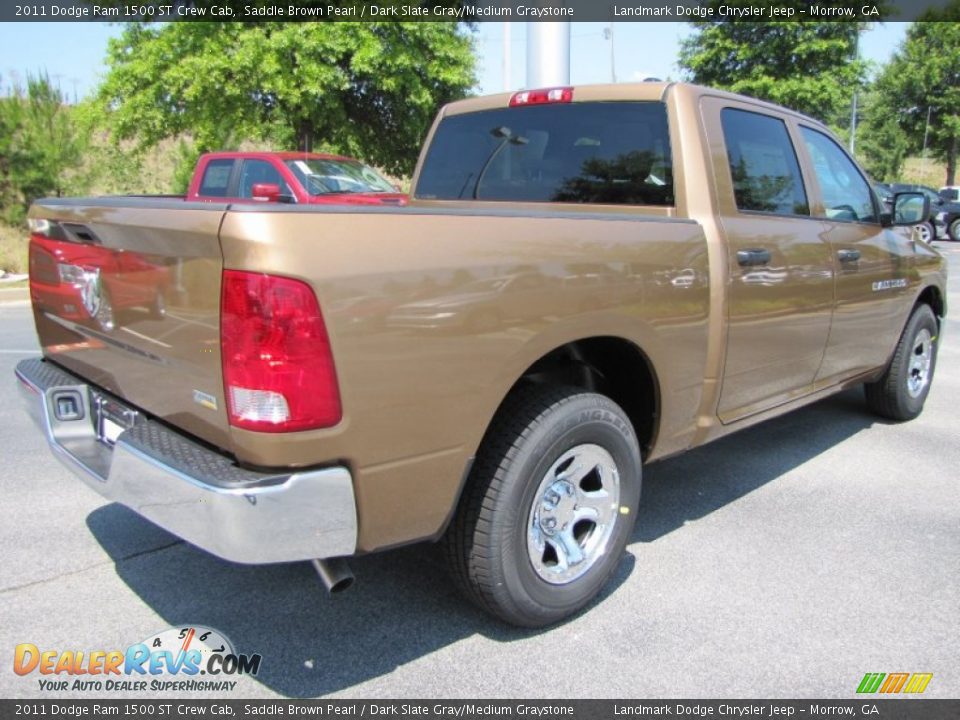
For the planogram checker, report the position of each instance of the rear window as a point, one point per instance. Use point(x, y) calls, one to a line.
point(609, 153)
point(763, 164)
point(216, 178)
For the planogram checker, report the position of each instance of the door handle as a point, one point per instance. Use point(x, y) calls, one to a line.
point(753, 256)
point(848, 255)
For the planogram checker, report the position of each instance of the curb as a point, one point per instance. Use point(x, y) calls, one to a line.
point(9, 296)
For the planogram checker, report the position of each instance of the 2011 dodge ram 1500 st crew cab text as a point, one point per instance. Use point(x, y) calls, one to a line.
point(586, 279)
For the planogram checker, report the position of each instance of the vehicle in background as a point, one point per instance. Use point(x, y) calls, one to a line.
point(946, 217)
point(928, 230)
point(76, 279)
point(950, 193)
point(885, 194)
point(290, 177)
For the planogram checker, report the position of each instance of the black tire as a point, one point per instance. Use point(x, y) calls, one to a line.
point(928, 233)
point(487, 542)
point(953, 229)
point(900, 392)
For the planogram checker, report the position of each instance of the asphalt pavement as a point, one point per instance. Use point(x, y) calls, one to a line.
point(786, 560)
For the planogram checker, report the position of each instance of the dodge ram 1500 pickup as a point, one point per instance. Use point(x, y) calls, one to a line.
point(585, 280)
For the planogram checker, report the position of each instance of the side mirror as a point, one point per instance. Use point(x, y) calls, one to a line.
point(910, 208)
point(266, 192)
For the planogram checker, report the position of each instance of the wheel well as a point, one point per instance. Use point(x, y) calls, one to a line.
point(931, 296)
point(613, 367)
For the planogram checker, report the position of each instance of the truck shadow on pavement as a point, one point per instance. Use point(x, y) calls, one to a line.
point(402, 606)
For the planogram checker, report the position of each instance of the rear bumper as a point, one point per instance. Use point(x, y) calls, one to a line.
point(189, 489)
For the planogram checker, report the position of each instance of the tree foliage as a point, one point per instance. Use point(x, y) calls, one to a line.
point(808, 66)
point(368, 89)
point(41, 147)
point(882, 144)
point(923, 80)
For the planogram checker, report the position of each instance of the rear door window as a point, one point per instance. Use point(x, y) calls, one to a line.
point(216, 178)
point(763, 164)
point(597, 152)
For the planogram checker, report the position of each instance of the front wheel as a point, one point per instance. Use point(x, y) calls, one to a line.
point(549, 507)
point(901, 391)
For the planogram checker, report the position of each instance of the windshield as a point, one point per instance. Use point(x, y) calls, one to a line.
point(323, 177)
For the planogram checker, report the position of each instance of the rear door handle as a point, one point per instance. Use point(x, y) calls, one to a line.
point(848, 255)
point(753, 256)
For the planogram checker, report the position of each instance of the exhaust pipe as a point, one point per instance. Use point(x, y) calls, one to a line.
point(335, 574)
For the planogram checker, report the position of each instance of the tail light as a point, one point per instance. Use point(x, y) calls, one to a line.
point(278, 370)
point(544, 96)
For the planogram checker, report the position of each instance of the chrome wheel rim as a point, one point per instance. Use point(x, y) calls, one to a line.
point(574, 514)
point(925, 233)
point(918, 370)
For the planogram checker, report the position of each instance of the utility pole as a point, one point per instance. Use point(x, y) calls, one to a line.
point(923, 155)
point(608, 34)
point(853, 111)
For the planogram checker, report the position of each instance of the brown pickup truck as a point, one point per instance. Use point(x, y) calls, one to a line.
point(586, 279)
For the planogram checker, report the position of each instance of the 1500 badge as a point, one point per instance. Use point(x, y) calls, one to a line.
point(889, 284)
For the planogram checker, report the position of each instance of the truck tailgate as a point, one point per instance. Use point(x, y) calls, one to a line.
point(126, 294)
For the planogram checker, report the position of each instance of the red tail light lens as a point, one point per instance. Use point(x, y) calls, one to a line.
point(544, 96)
point(278, 369)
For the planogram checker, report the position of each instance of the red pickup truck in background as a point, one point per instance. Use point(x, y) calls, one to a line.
point(76, 278)
point(293, 177)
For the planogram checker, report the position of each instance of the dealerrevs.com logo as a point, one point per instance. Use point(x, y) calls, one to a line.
point(178, 659)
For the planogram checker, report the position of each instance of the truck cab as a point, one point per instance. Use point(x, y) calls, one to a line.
point(290, 177)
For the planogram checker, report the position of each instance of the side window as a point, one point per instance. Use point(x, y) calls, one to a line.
point(259, 171)
point(766, 174)
point(216, 178)
point(846, 194)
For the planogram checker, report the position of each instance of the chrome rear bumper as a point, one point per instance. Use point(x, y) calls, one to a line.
point(189, 489)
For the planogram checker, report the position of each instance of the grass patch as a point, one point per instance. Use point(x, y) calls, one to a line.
point(13, 249)
point(930, 173)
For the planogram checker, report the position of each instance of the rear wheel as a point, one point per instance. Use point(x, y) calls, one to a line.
point(549, 508)
point(902, 390)
point(928, 233)
point(954, 230)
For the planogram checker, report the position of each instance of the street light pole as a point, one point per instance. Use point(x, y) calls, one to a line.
point(926, 132)
point(613, 64)
point(853, 110)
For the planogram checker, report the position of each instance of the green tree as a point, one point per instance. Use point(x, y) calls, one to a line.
point(922, 81)
point(41, 148)
point(369, 89)
point(808, 66)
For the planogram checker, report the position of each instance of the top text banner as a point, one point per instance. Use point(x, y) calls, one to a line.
point(482, 11)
